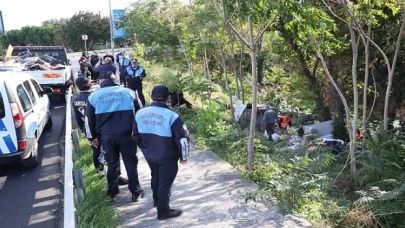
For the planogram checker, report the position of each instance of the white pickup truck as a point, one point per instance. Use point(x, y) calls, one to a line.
point(60, 78)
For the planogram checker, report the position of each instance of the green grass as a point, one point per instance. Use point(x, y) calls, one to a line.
point(96, 210)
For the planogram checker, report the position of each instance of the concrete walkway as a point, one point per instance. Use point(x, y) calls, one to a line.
point(210, 192)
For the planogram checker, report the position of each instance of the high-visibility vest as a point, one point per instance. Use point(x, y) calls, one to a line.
point(284, 122)
point(359, 135)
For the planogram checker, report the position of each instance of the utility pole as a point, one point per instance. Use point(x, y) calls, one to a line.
point(111, 29)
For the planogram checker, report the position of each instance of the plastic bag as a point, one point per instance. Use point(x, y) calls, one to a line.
point(276, 137)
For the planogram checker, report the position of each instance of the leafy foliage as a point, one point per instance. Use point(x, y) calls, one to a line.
point(96, 209)
point(65, 32)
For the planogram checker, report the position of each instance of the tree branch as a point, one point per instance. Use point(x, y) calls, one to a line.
point(358, 28)
point(398, 44)
point(391, 73)
point(325, 67)
point(230, 25)
point(261, 33)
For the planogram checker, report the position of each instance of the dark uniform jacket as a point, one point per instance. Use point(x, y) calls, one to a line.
point(161, 134)
point(132, 71)
point(79, 104)
point(94, 59)
point(105, 68)
point(110, 111)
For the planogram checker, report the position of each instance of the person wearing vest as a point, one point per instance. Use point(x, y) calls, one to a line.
point(79, 105)
point(135, 74)
point(163, 138)
point(119, 56)
point(124, 63)
point(285, 122)
point(359, 135)
point(109, 116)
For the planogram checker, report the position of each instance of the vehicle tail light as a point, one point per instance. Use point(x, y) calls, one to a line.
point(17, 114)
point(22, 145)
point(56, 90)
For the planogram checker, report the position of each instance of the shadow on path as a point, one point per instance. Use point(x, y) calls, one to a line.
point(210, 192)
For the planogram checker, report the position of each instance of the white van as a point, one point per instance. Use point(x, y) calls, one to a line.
point(24, 114)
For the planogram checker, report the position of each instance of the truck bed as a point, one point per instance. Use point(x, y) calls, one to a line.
point(51, 77)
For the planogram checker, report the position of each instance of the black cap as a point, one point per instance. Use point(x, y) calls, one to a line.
point(134, 61)
point(82, 83)
point(160, 93)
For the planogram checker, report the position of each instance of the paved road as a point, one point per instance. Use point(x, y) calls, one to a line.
point(30, 197)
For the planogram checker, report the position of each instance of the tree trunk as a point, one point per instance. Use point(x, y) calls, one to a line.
point(366, 75)
point(330, 77)
point(231, 41)
point(310, 78)
point(189, 64)
point(207, 66)
point(228, 90)
point(225, 72)
point(242, 88)
point(204, 66)
point(353, 165)
point(232, 61)
point(391, 75)
point(252, 128)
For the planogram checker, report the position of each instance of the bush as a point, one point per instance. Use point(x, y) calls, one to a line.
point(311, 180)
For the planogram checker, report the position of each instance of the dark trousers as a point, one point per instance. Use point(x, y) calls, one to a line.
point(138, 88)
point(123, 79)
point(96, 159)
point(163, 175)
point(113, 145)
point(96, 156)
point(270, 130)
point(94, 75)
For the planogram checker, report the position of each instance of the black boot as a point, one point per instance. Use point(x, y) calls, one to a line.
point(122, 181)
point(137, 196)
point(112, 196)
point(172, 213)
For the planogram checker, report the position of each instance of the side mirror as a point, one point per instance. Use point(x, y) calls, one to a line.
point(68, 62)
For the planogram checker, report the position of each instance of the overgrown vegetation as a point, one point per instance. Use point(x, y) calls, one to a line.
point(309, 180)
point(96, 210)
point(312, 181)
point(319, 60)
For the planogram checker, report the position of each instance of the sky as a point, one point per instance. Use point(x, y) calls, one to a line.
point(19, 13)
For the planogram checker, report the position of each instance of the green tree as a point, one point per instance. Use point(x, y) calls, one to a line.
point(93, 25)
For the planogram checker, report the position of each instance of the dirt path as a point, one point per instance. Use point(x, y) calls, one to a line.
point(210, 192)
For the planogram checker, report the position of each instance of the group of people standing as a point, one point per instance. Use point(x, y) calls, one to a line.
point(112, 118)
point(131, 74)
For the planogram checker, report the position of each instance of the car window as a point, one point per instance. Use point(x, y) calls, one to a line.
point(37, 87)
point(30, 92)
point(23, 97)
point(2, 108)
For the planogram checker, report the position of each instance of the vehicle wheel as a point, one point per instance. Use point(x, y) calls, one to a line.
point(48, 124)
point(79, 185)
point(32, 160)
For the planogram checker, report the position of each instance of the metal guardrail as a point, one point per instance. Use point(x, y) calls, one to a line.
point(69, 215)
